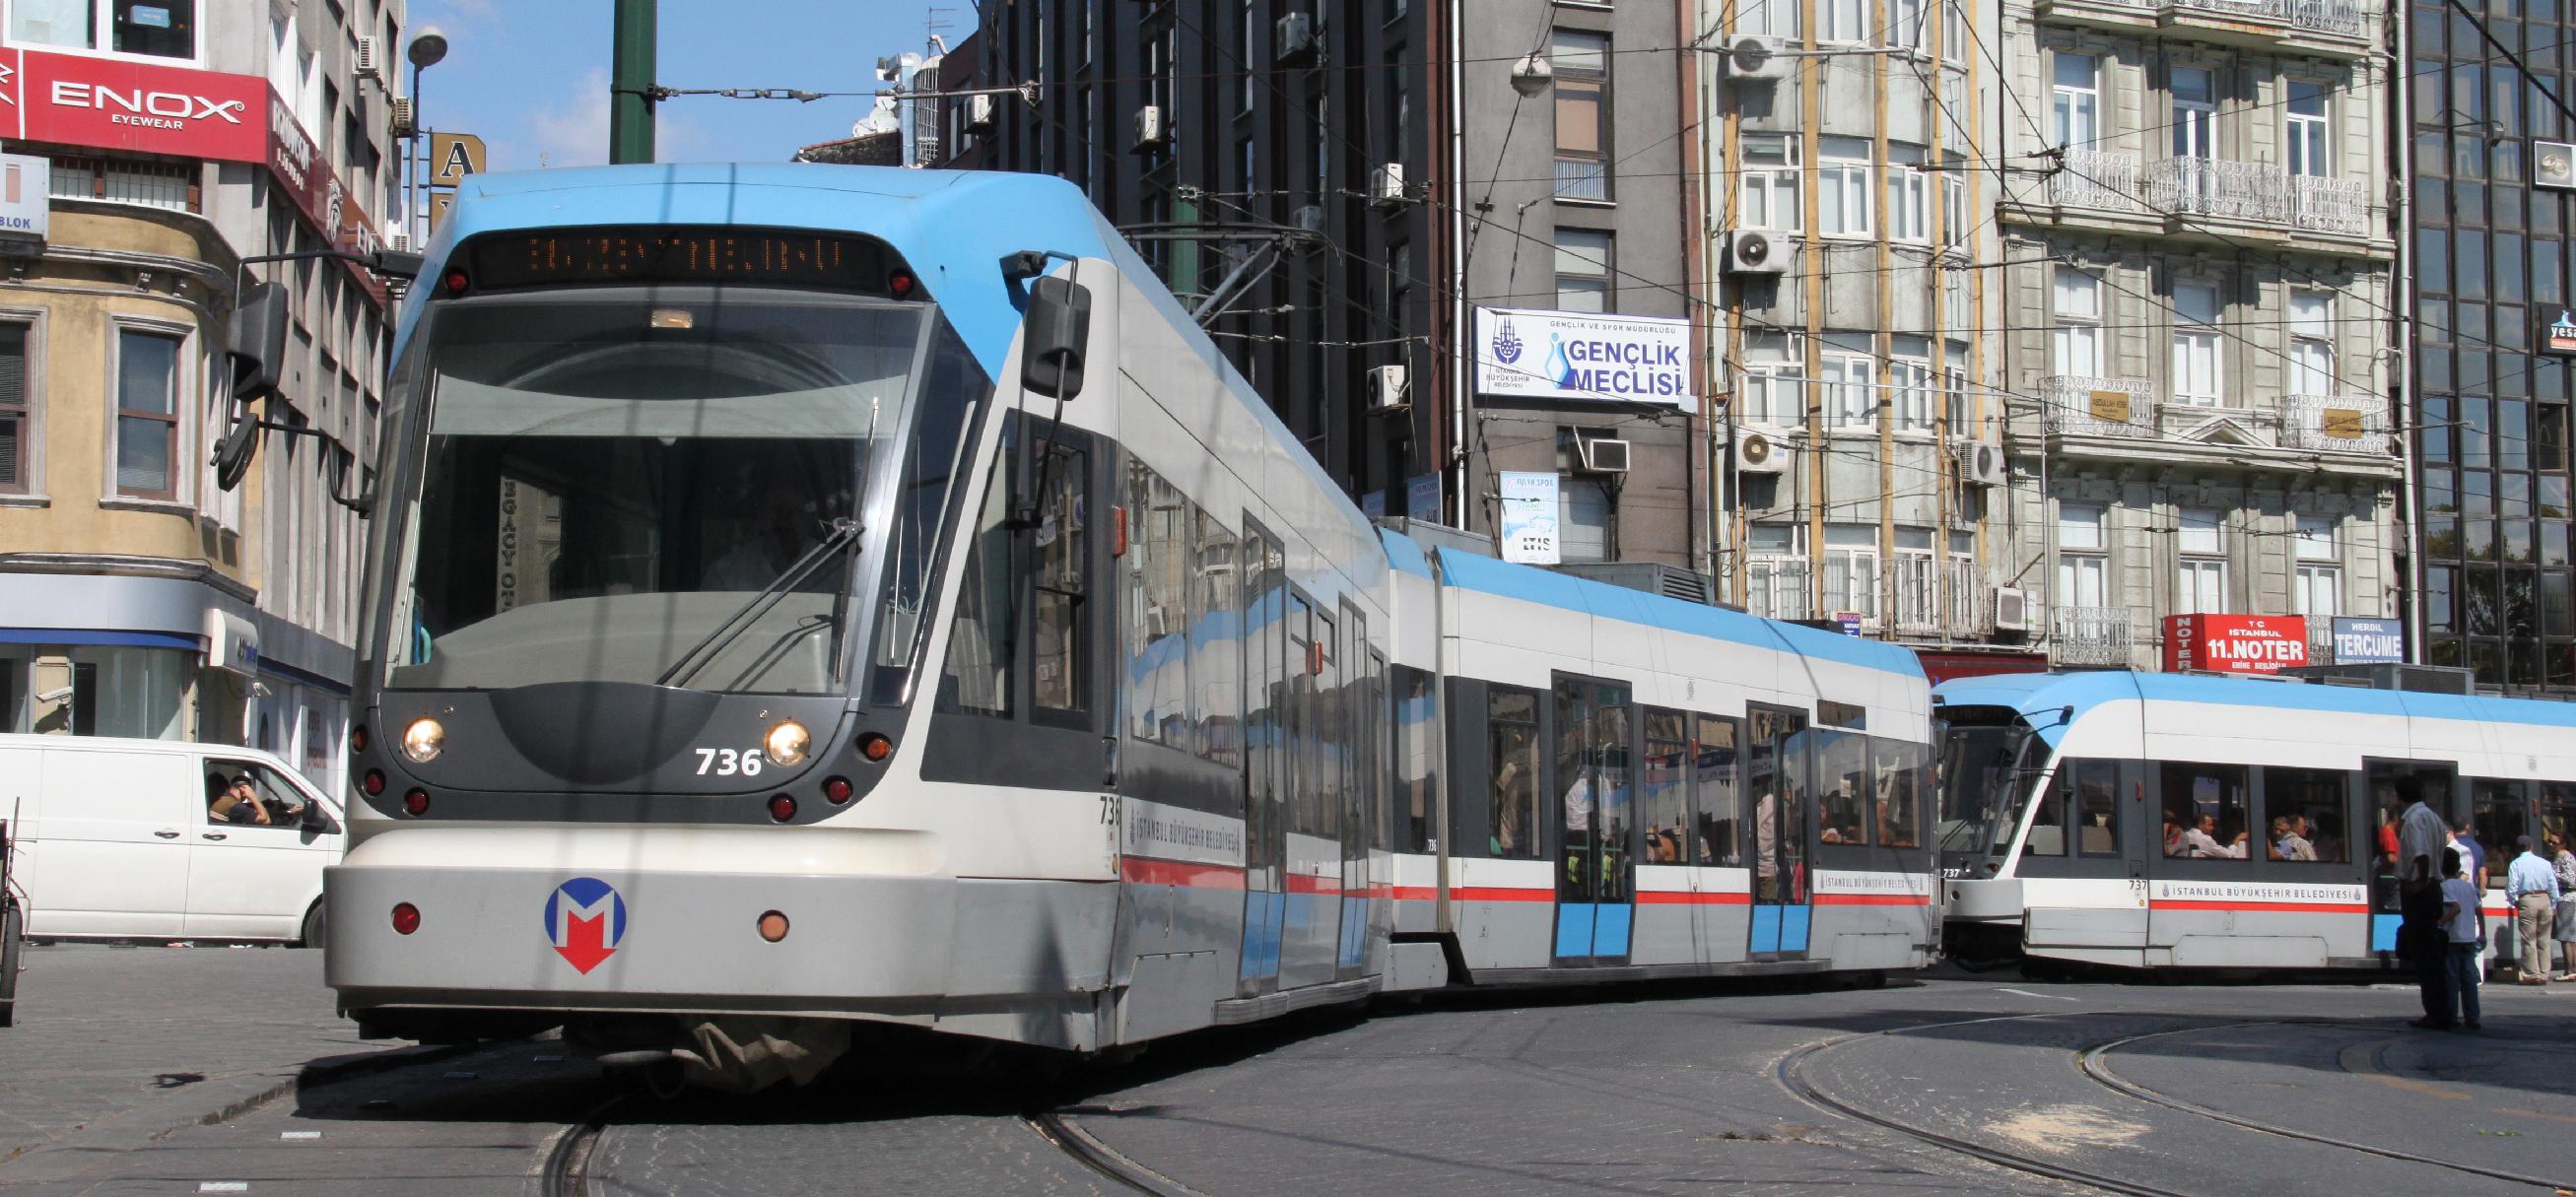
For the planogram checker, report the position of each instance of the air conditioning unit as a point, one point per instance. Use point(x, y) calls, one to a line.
point(1297, 40)
point(1390, 388)
point(401, 113)
point(370, 62)
point(1603, 455)
point(1386, 186)
point(1308, 217)
point(398, 238)
point(1151, 129)
point(1755, 251)
point(980, 114)
point(1981, 463)
point(2012, 609)
point(1759, 453)
point(1753, 58)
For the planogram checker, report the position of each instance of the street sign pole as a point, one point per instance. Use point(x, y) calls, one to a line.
point(630, 107)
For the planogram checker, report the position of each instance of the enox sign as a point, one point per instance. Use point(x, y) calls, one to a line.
point(2553, 164)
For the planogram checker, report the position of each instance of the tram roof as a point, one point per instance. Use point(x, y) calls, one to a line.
point(1607, 601)
point(2087, 689)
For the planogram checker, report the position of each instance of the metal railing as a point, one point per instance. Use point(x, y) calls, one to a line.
point(2321, 16)
point(2090, 636)
point(2257, 191)
point(2079, 406)
point(2095, 179)
point(2334, 424)
point(2329, 205)
point(2321, 642)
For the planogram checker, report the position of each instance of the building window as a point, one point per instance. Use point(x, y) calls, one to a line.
point(2307, 131)
point(1848, 381)
point(1842, 188)
point(1251, 34)
point(1583, 270)
point(1842, 20)
point(17, 418)
point(147, 414)
point(1582, 63)
point(2083, 557)
point(2200, 541)
point(151, 28)
point(1774, 393)
point(2075, 337)
point(1775, 571)
point(1909, 209)
point(1914, 569)
point(1954, 210)
point(2316, 590)
point(1769, 197)
point(1851, 570)
point(1778, 18)
point(1954, 30)
point(1912, 388)
point(1954, 399)
point(2195, 113)
point(152, 182)
point(2078, 100)
point(2312, 356)
point(2196, 376)
point(1963, 581)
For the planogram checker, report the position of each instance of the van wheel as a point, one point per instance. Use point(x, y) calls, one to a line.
point(11, 923)
point(317, 927)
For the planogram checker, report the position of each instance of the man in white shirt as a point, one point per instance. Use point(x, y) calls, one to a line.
point(2202, 842)
point(2531, 886)
point(2421, 839)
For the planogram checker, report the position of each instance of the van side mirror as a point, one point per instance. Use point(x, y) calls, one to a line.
point(313, 819)
point(1054, 330)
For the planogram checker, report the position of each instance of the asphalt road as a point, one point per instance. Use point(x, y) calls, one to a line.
point(1953, 1083)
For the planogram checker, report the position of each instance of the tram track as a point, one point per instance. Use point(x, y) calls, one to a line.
point(1086, 1149)
point(565, 1172)
point(2093, 1065)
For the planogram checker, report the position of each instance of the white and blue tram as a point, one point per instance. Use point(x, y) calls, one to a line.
point(804, 598)
point(2147, 820)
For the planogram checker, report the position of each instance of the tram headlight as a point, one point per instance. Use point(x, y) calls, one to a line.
point(787, 743)
point(424, 740)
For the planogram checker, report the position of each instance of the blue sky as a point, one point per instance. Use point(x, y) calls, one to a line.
point(531, 76)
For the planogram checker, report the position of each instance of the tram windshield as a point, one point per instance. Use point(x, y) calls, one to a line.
point(670, 487)
point(1989, 758)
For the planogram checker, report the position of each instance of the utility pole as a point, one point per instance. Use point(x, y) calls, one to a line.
point(630, 99)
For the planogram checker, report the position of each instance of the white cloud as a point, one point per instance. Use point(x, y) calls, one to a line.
point(573, 131)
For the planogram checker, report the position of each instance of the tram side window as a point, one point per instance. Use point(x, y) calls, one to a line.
point(2303, 815)
point(1667, 788)
point(1060, 606)
point(2558, 810)
point(2048, 823)
point(1415, 803)
point(2204, 810)
point(1896, 790)
point(1160, 527)
point(2495, 811)
point(1717, 764)
point(1511, 729)
point(1216, 649)
point(2097, 806)
point(979, 642)
point(1842, 785)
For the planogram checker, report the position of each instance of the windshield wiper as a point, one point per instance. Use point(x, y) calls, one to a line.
point(844, 533)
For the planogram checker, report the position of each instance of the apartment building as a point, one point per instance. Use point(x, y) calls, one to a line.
point(2198, 305)
point(152, 147)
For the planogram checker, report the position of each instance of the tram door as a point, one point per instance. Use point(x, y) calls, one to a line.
point(2441, 791)
point(1265, 760)
point(1776, 784)
point(1596, 874)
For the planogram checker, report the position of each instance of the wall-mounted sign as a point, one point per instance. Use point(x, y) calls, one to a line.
point(1848, 621)
point(2368, 641)
point(2236, 643)
point(1529, 531)
point(26, 203)
point(452, 156)
point(1422, 498)
point(2553, 164)
point(2110, 407)
point(110, 104)
point(2342, 423)
point(1577, 355)
point(2558, 335)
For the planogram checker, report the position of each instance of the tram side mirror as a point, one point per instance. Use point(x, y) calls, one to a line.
point(1054, 331)
point(398, 263)
point(258, 347)
point(240, 444)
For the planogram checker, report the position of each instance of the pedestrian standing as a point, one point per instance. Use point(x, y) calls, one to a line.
point(2421, 940)
point(2473, 856)
point(2460, 928)
point(2531, 887)
point(2563, 862)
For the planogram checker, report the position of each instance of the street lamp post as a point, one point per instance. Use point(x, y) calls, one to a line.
point(426, 51)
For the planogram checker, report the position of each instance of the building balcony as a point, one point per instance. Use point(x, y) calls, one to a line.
point(2096, 179)
point(2328, 28)
point(2091, 636)
point(2190, 191)
point(2335, 424)
point(2100, 407)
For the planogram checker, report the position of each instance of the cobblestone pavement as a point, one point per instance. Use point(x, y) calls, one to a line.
point(137, 1039)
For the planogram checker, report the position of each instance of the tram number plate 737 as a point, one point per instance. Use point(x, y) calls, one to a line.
point(726, 762)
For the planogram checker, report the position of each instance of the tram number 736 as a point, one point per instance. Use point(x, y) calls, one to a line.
point(725, 762)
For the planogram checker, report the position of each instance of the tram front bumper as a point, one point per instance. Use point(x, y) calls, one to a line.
point(1987, 900)
point(670, 920)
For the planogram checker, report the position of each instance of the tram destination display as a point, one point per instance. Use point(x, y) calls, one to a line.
point(575, 257)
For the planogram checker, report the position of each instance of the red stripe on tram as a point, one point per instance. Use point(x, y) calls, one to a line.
point(1145, 870)
point(1662, 897)
point(2264, 907)
point(1873, 899)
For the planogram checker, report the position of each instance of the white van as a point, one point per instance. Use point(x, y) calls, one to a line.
point(118, 839)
